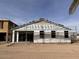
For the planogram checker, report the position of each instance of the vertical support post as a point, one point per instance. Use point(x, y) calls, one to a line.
point(26, 36)
point(13, 36)
point(6, 37)
point(17, 37)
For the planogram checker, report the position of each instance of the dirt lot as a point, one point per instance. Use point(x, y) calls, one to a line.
point(40, 51)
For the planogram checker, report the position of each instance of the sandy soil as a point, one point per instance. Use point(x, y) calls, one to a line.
point(40, 51)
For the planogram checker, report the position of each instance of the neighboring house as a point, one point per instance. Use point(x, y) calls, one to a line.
point(5, 30)
point(42, 31)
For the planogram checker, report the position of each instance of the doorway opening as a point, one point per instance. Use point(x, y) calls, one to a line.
point(2, 36)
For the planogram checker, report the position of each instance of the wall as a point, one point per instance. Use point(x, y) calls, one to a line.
point(59, 37)
point(5, 27)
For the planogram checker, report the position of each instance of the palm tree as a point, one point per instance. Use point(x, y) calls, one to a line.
point(73, 6)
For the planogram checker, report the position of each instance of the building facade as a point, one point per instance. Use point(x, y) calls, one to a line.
point(5, 30)
point(42, 31)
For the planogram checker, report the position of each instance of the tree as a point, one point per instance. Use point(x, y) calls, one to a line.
point(73, 6)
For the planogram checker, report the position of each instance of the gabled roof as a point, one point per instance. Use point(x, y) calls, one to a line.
point(41, 19)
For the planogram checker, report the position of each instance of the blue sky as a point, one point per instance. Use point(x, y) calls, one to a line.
point(22, 11)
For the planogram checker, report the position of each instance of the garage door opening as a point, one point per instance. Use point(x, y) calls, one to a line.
point(2, 36)
point(22, 36)
point(30, 36)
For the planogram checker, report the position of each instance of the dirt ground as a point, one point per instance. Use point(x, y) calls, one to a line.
point(40, 51)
